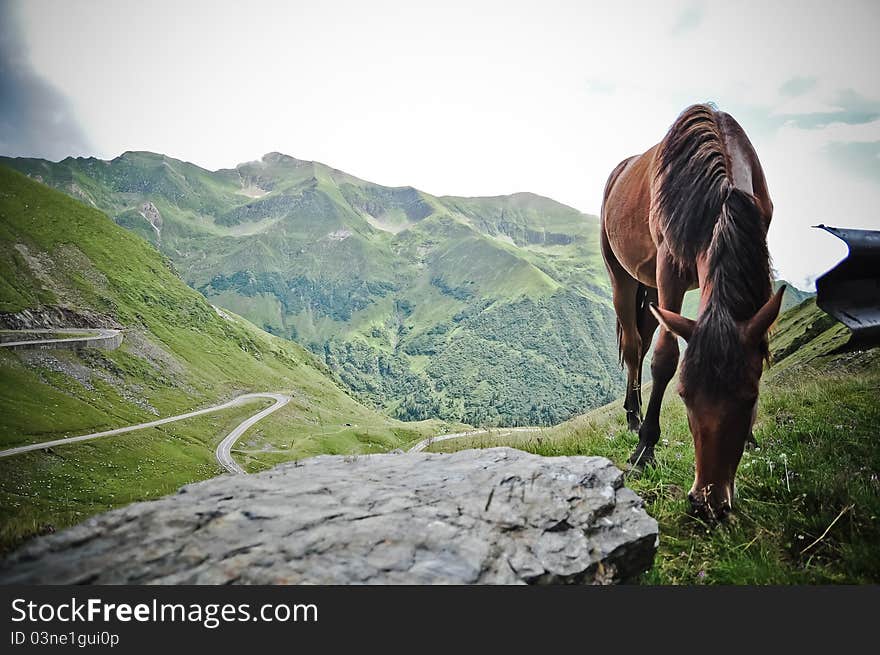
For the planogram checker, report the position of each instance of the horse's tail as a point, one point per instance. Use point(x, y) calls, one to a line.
point(643, 299)
point(692, 183)
point(619, 342)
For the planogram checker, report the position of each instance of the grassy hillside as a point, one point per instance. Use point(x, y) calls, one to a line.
point(394, 289)
point(808, 498)
point(179, 353)
point(791, 298)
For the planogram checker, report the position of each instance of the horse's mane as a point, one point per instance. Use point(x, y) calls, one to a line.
point(692, 183)
point(701, 211)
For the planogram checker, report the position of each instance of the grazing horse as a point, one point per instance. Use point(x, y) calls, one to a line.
point(693, 211)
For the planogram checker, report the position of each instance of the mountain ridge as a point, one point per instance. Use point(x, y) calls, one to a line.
point(394, 288)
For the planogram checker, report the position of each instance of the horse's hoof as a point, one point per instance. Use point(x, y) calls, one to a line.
point(751, 442)
point(633, 471)
point(642, 457)
point(633, 422)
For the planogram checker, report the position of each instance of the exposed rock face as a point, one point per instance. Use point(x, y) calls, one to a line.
point(55, 316)
point(151, 213)
point(496, 516)
point(522, 235)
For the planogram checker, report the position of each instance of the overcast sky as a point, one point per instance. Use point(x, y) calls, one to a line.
point(470, 98)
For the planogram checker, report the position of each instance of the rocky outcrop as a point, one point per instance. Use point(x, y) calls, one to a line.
point(523, 235)
point(495, 516)
point(47, 317)
point(151, 213)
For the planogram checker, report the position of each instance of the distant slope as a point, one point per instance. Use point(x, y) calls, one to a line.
point(802, 334)
point(487, 310)
point(792, 296)
point(64, 264)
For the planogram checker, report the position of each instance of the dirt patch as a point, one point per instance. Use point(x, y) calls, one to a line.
point(140, 345)
point(86, 373)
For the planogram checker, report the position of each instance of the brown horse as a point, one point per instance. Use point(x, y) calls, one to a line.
point(693, 211)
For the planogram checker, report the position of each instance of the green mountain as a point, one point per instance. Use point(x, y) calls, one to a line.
point(483, 310)
point(65, 264)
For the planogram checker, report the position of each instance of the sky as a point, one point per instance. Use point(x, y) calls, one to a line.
point(462, 98)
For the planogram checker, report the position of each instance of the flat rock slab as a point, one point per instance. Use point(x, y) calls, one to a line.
point(492, 516)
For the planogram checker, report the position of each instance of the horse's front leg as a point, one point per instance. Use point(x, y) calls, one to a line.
point(671, 289)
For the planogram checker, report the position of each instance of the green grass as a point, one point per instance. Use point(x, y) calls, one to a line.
point(808, 498)
point(42, 492)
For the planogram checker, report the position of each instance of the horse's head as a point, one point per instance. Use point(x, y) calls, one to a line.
point(720, 415)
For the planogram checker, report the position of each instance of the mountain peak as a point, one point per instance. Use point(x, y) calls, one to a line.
point(145, 154)
point(279, 158)
point(274, 159)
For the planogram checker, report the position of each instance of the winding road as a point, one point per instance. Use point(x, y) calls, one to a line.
point(110, 338)
point(223, 454)
point(420, 446)
point(94, 335)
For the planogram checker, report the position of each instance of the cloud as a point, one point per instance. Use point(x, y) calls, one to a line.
point(797, 86)
point(602, 87)
point(850, 108)
point(35, 119)
point(688, 20)
point(858, 158)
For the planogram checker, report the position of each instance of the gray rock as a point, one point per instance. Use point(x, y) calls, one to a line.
point(55, 316)
point(493, 516)
point(149, 211)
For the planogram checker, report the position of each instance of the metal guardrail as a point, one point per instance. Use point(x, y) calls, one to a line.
point(850, 292)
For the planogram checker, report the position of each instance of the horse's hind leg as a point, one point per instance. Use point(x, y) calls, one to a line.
point(631, 352)
point(647, 322)
point(625, 292)
point(646, 326)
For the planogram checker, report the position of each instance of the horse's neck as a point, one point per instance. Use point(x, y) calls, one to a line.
point(744, 167)
point(741, 161)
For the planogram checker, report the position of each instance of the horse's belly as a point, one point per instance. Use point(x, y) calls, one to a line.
point(638, 256)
